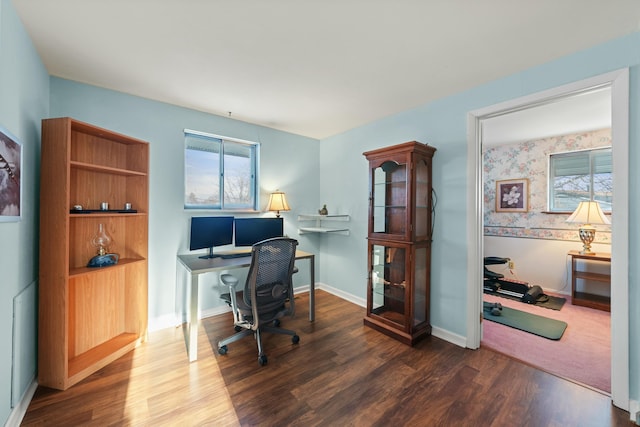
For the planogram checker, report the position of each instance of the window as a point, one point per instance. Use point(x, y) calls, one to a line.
point(220, 172)
point(580, 176)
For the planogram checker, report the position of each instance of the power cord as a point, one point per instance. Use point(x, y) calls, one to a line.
point(434, 202)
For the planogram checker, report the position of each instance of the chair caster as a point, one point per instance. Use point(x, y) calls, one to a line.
point(262, 359)
point(276, 323)
point(237, 328)
point(295, 339)
point(222, 350)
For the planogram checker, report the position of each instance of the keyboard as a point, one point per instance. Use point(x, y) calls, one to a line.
point(235, 255)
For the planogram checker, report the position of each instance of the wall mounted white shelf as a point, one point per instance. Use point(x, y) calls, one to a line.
point(320, 227)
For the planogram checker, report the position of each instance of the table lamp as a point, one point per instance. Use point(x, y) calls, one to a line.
point(277, 203)
point(587, 214)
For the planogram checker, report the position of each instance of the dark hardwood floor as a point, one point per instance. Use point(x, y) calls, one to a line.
point(341, 373)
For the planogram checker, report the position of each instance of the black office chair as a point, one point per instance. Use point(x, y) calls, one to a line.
point(267, 295)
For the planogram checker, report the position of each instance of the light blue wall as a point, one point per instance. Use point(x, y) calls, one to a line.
point(24, 100)
point(443, 124)
point(288, 162)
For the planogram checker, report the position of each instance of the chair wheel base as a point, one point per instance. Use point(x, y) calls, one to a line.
point(222, 350)
point(262, 359)
point(295, 339)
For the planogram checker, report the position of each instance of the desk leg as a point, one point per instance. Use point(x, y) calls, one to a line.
point(178, 301)
point(193, 319)
point(312, 289)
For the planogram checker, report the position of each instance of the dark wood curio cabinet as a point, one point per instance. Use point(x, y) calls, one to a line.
point(399, 240)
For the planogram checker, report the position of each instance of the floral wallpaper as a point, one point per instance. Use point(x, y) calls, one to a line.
point(530, 160)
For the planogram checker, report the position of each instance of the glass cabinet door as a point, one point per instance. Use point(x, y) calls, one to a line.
point(389, 198)
point(422, 221)
point(420, 285)
point(388, 283)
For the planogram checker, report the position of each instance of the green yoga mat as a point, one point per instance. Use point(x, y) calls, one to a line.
point(532, 323)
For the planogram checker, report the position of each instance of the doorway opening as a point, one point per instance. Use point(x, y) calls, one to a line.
point(520, 146)
point(618, 83)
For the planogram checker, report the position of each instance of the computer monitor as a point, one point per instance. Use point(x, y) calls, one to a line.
point(208, 232)
point(250, 231)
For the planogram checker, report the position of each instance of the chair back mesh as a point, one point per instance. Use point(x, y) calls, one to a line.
point(269, 278)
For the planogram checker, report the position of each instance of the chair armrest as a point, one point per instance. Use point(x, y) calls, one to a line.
point(232, 281)
point(229, 280)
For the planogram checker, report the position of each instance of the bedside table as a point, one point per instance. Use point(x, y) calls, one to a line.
point(587, 299)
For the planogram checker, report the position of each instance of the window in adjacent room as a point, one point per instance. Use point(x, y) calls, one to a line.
point(580, 176)
point(220, 172)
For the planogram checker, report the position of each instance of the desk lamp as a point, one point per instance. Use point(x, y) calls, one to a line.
point(588, 213)
point(277, 203)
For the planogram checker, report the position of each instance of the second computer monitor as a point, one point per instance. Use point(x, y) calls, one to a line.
point(249, 231)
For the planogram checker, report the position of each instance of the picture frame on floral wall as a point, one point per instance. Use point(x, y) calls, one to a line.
point(512, 195)
point(10, 177)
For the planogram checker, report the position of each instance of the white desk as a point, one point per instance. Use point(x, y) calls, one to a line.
point(196, 266)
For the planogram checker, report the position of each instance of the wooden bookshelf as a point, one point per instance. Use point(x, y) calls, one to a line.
point(90, 316)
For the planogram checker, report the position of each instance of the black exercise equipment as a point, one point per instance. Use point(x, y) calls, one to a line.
point(534, 295)
point(496, 282)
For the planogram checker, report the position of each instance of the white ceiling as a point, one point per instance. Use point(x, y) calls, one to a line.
point(572, 114)
point(314, 68)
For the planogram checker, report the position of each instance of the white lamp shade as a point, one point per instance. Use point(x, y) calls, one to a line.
point(588, 213)
point(278, 202)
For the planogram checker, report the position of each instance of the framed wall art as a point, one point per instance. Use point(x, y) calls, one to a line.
point(10, 177)
point(512, 195)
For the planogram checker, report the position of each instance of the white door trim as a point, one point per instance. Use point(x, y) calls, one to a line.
point(619, 83)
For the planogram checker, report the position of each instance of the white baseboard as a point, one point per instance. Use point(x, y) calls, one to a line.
point(162, 322)
point(448, 336)
point(215, 311)
point(342, 294)
point(443, 334)
point(17, 414)
point(634, 411)
point(169, 321)
point(301, 289)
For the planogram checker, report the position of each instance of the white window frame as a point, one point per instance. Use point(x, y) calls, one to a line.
point(228, 142)
point(551, 196)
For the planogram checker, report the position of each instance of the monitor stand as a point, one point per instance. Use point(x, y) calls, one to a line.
point(209, 255)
